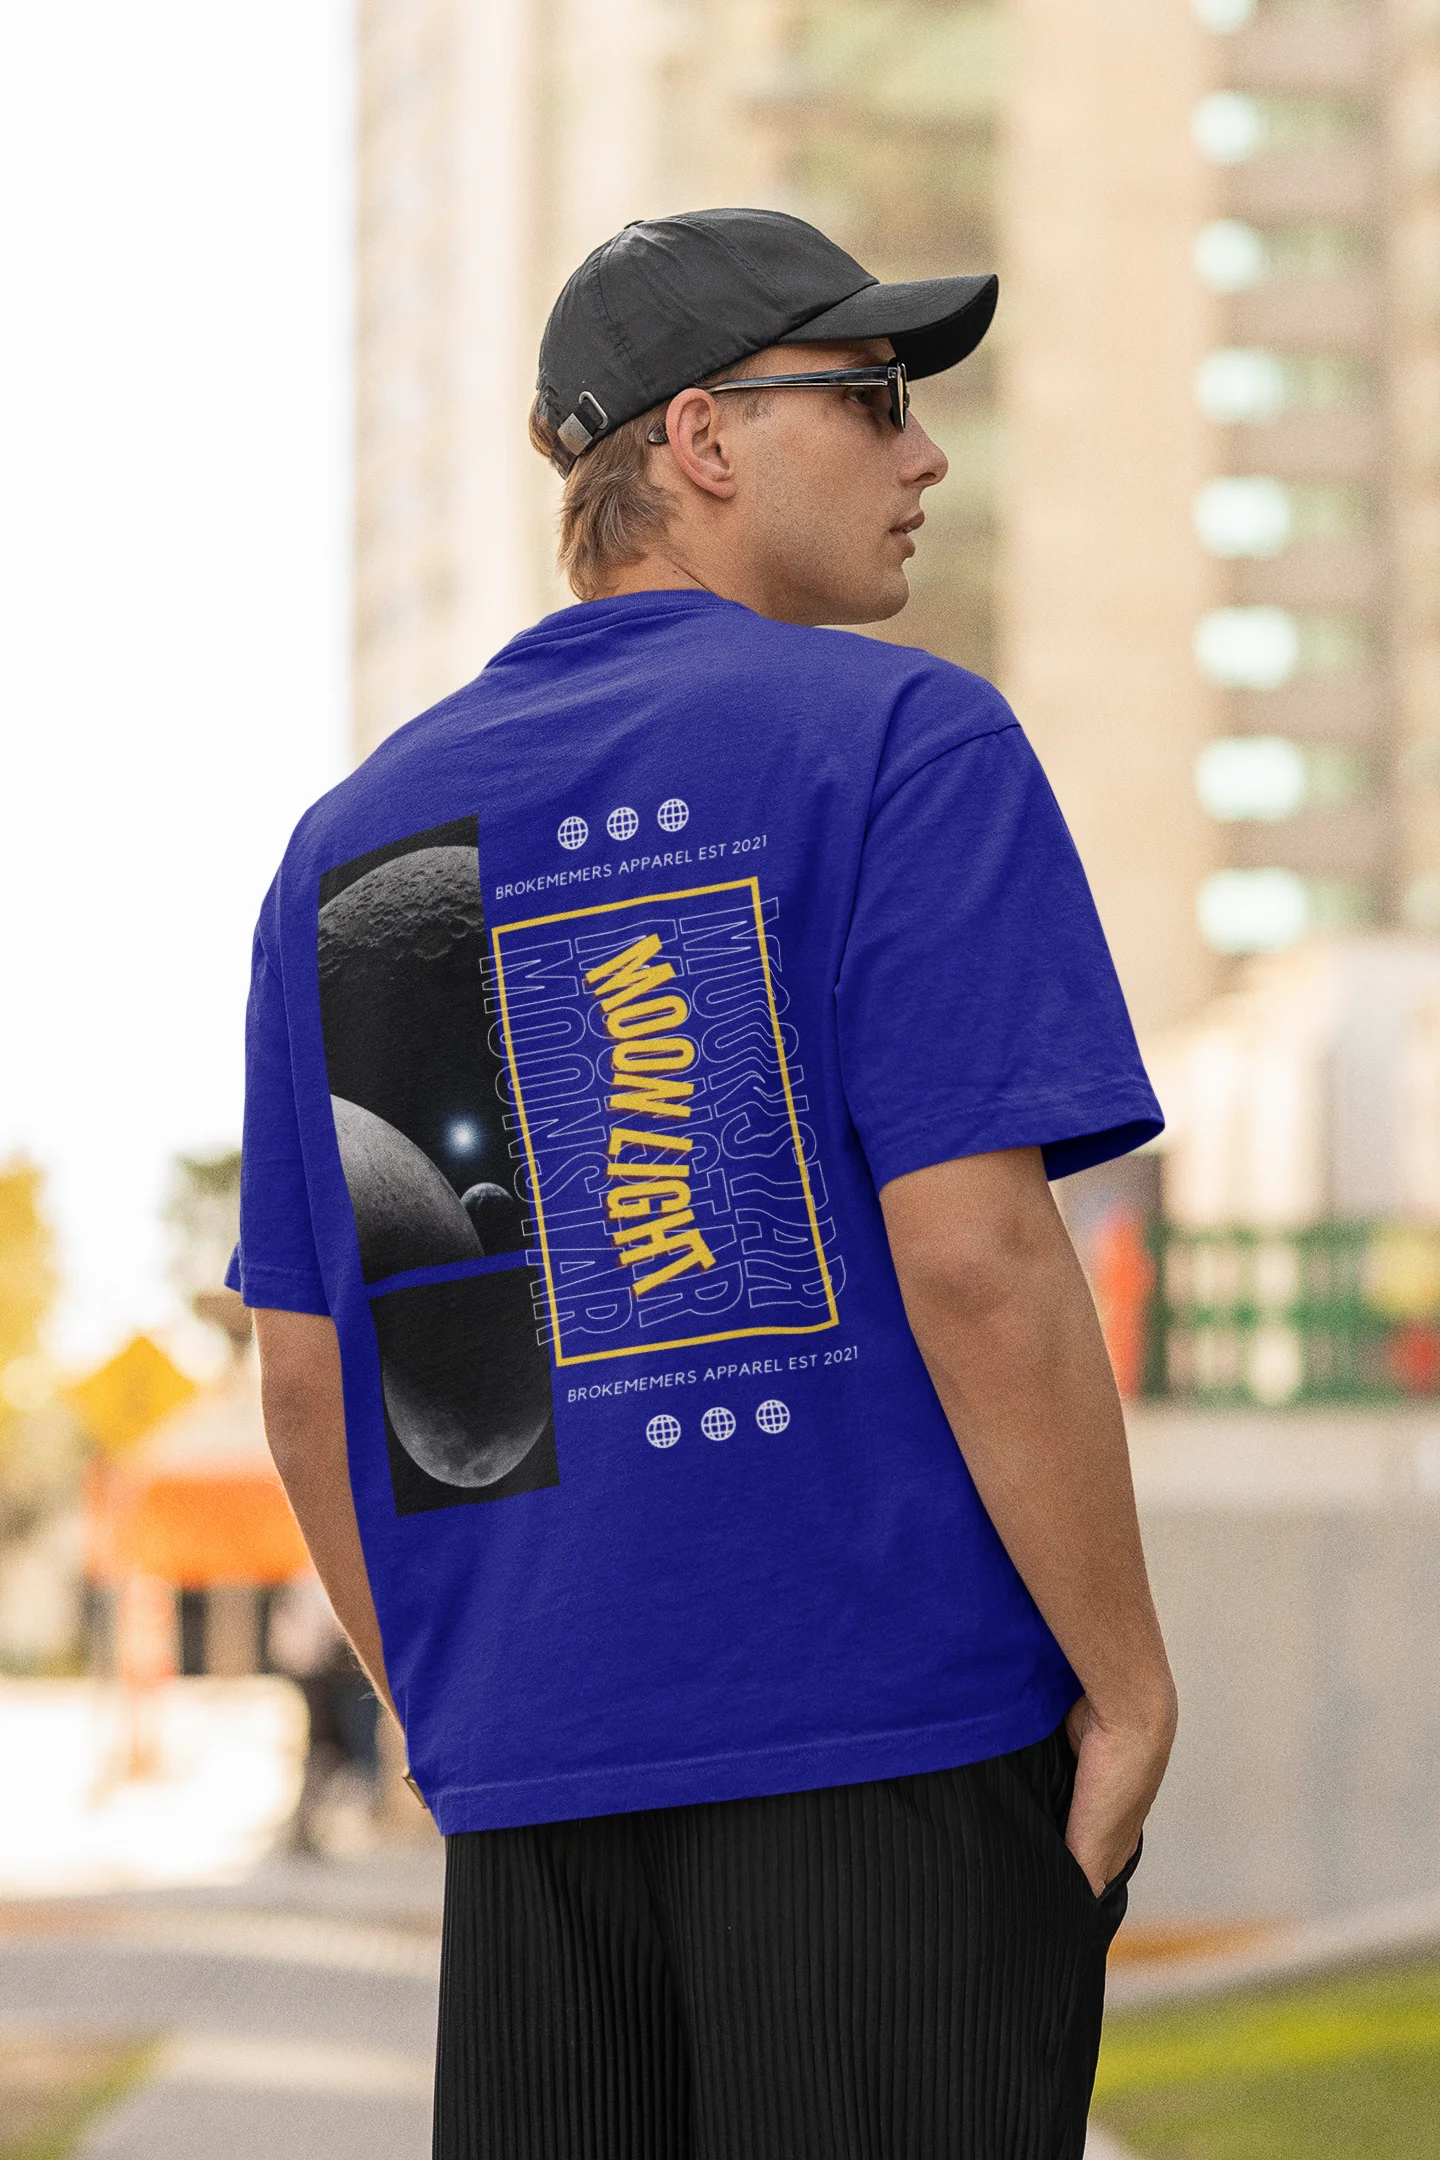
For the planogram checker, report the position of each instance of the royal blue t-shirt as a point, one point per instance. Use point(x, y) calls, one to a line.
point(589, 1017)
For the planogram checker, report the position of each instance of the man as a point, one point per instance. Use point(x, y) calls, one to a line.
point(705, 998)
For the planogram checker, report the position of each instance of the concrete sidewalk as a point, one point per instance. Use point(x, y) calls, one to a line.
point(294, 2015)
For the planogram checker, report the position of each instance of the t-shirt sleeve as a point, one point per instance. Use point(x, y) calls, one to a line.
point(978, 1004)
point(275, 1263)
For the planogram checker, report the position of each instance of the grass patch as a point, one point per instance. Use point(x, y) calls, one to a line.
point(1341, 2069)
point(52, 2087)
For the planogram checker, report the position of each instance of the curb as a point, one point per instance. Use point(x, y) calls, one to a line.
point(1372, 1936)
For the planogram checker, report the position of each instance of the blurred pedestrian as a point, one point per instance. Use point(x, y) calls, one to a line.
point(306, 1642)
point(792, 1759)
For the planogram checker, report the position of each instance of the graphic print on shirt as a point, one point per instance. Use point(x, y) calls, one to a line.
point(676, 1186)
point(416, 1090)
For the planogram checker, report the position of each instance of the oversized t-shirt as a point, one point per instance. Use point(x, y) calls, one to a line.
point(589, 1017)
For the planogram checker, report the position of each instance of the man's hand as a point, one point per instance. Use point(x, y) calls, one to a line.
point(1006, 1325)
point(1117, 1775)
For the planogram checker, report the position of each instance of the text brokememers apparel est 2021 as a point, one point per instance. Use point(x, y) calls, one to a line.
point(588, 1018)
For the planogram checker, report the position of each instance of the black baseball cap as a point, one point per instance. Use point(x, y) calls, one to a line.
point(671, 300)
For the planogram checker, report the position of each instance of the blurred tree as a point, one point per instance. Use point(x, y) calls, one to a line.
point(203, 1216)
point(41, 1452)
point(28, 1283)
point(890, 111)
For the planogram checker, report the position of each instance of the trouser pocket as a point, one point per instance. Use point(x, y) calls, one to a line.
point(1113, 1901)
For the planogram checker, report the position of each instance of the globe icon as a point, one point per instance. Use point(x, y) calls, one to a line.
point(673, 814)
point(773, 1415)
point(663, 1431)
point(717, 1424)
point(622, 824)
point(573, 833)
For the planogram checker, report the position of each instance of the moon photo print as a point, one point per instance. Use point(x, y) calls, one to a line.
point(417, 1088)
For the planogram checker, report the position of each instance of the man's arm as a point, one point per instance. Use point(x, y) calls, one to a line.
point(1004, 1320)
point(305, 1425)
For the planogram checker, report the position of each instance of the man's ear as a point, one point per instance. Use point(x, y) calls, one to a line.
point(694, 427)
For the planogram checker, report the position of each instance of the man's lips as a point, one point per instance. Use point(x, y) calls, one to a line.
point(906, 528)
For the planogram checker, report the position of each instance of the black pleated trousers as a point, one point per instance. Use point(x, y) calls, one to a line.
point(907, 1970)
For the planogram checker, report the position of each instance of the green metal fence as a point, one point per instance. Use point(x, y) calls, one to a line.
point(1339, 1312)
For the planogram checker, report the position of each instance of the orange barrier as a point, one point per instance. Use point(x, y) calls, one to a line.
point(192, 1529)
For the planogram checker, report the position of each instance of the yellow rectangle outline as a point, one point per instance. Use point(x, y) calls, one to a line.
point(613, 907)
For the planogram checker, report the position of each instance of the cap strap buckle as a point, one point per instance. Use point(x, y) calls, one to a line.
point(574, 433)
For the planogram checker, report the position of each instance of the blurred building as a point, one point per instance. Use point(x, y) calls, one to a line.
point(1105, 324)
point(1223, 233)
point(1212, 594)
point(498, 146)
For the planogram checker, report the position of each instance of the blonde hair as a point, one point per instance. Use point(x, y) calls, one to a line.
point(612, 509)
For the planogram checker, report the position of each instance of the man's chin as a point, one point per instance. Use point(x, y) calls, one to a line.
point(889, 596)
point(876, 601)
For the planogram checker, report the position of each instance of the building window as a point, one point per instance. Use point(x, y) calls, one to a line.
point(1244, 385)
point(1257, 516)
point(1223, 17)
point(1260, 648)
point(1255, 911)
point(1231, 256)
point(1250, 516)
point(1421, 905)
point(1254, 776)
point(1232, 126)
point(1250, 648)
point(1267, 778)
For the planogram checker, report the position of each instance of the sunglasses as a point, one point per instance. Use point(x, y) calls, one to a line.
point(890, 377)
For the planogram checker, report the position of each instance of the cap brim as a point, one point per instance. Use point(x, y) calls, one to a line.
point(932, 322)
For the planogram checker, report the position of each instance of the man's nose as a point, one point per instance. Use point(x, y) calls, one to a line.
point(924, 463)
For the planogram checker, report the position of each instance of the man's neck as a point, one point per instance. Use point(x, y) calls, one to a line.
point(707, 570)
point(653, 573)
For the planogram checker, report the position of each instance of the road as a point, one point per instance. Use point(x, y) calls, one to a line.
point(295, 2014)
